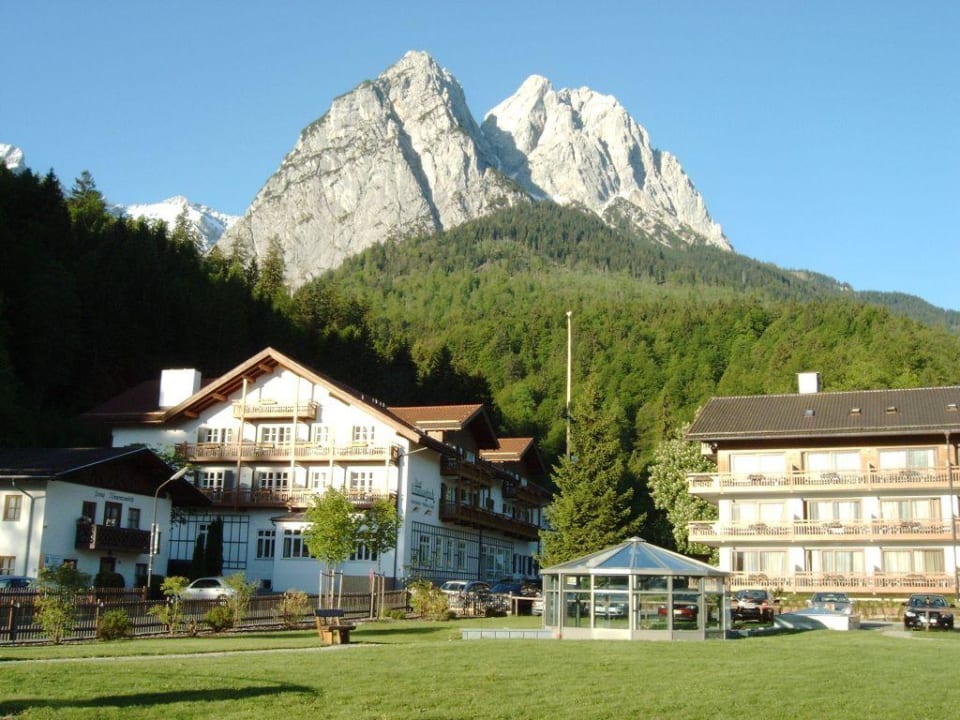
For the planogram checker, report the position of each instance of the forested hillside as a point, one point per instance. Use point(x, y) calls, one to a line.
point(660, 330)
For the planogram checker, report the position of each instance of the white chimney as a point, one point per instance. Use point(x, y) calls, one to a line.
point(177, 385)
point(808, 382)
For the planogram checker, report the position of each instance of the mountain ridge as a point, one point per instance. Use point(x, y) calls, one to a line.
point(403, 154)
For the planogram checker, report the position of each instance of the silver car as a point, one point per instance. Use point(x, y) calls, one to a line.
point(207, 588)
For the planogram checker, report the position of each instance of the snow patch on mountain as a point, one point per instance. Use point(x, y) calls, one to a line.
point(208, 224)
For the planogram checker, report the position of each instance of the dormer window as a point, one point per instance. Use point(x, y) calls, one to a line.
point(892, 410)
point(951, 407)
point(855, 411)
point(809, 412)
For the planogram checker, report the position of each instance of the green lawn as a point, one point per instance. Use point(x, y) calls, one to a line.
point(424, 670)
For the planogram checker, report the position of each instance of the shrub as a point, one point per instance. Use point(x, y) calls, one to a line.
point(240, 600)
point(56, 606)
point(170, 613)
point(109, 580)
point(396, 614)
point(428, 601)
point(219, 618)
point(114, 625)
point(292, 608)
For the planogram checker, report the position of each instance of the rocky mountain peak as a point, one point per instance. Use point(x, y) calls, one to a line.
point(403, 154)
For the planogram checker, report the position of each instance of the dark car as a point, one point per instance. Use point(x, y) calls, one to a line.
point(14, 583)
point(753, 604)
point(507, 588)
point(927, 611)
point(685, 608)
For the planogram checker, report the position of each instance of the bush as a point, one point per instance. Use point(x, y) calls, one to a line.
point(170, 613)
point(292, 608)
point(240, 600)
point(428, 601)
point(219, 618)
point(114, 625)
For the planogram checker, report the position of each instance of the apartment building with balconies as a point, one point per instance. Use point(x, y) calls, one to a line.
point(270, 435)
point(853, 491)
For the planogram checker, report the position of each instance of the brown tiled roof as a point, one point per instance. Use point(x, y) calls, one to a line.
point(829, 414)
point(511, 450)
point(437, 417)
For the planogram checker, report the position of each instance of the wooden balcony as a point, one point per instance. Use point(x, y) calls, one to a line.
point(715, 485)
point(299, 498)
point(282, 452)
point(855, 532)
point(479, 518)
point(266, 410)
point(466, 469)
point(103, 538)
point(885, 583)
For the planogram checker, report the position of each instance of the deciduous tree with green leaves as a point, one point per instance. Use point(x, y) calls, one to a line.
point(379, 527)
point(592, 509)
point(673, 459)
point(332, 533)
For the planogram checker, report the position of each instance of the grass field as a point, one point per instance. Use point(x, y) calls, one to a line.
point(424, 670)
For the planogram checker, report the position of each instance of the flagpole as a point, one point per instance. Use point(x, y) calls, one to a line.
point(569, 374)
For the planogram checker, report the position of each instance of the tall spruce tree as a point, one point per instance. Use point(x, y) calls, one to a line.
point(592, 508)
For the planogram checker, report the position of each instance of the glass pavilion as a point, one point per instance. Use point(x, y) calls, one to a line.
point(635, 591)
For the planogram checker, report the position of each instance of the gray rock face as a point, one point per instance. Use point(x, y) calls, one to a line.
point(402, 154)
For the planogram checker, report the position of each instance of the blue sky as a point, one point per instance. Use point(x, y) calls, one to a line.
point(822, 135)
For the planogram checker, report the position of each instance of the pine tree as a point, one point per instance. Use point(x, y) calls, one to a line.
point(213, 556)
point(591, 509)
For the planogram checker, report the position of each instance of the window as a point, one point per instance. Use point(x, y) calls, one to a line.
point(833, 510)
point(832, 462)
point(751, 512)
point(7, 563)
point(275, 434)
point(768, 562)
point(133, 518)
point(423, 552)
point(112, 513)
point(461, 555)
point(273, 479)
point(758, 464)
point(11, 507)
point(837, 561)
point(89, 511)
point(211, 480)
point(362, 434)
point(320, 434)
point(907, 561)
point(906, 509)
point(293, 544)
point(266, 544)
point(363, 552)
point(361, 482)
point(912, 458)
point(319, 480)
point(215, 435)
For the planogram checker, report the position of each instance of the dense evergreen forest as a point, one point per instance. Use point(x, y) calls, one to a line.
point(91, 304)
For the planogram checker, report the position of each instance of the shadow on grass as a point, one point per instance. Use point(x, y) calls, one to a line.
point(14, 707)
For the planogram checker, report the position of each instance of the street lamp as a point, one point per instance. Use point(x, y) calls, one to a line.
point(154, 534)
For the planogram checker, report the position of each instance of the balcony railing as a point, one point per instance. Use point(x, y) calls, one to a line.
point(467, 469)
point(858, 583)
point(478, 517)
point(108, 537)
point(298, 498)
point(807, 482)
point(857, 532)
point(267, 410)
point(282, 452)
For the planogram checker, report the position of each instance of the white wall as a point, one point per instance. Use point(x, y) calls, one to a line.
point(14, 533)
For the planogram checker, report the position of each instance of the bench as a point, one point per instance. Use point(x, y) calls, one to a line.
point(330, 626)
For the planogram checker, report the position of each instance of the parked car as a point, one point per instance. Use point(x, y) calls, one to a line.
point(506, 588)
point(753, 604)
point(465, 587)
point(927, 611)
point(686, 608)
point(12, 583)
point(207, 588)
point(536, 607)
point(835, 601)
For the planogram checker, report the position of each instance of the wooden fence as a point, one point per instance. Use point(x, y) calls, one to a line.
point(19, 622)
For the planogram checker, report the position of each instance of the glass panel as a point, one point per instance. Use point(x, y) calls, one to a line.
point(651, 583)
point(647, 614)
point(611, 610)
point(577, 609)
point(611, 582)
point(713, 610)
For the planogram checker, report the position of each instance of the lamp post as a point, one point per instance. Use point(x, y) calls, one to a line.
point(154, 535)
point(569, 374)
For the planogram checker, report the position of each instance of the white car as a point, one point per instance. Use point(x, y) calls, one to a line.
point(207, 588)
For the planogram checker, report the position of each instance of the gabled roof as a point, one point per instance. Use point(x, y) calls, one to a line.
point(134, 469)
point(638, 557)
point(829, 414)
point(451, 418)
point(517, 450)
point(138, 406)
